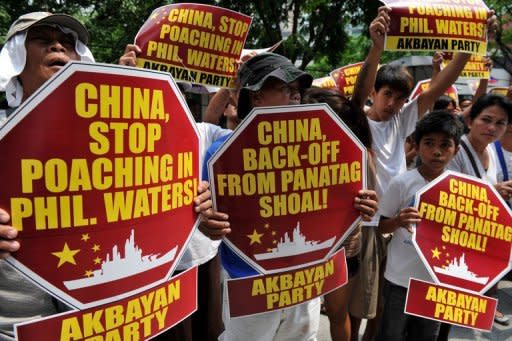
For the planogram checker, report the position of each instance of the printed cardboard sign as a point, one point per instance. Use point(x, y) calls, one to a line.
point(424, 85)
point(103, 168)
point(445, 25)
point(345, 78)
point(140, 317)
point(287, 177)
point(324, 82)
point(448, 305)
point(285, 289)
point(193, 42)
point(465, 232)
point(475, 68)
point(503, 91)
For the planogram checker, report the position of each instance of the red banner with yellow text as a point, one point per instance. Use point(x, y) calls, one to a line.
point(446, 25)
point(449, 305)
point(283, 290)
point(476, 68)
point(140, 317)
point(193, 42)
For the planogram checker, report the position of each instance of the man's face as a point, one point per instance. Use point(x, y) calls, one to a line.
point(48, 50)
point(276, 92)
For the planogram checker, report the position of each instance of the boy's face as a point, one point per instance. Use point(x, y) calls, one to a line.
point(276, 92)
point(387, 102)
point(488, 126)
point(435, 151)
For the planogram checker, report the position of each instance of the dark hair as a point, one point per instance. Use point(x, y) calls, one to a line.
point(442, 103)
point(490, 100)
point(396, 76)
point(439, 121)
point(351, 114)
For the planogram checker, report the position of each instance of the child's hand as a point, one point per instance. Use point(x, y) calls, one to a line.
point(379, 27)
point(367, 203)
point(437, 60)
point(407, 217)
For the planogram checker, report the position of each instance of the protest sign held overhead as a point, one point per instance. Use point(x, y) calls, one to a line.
point(424, 84)
point(324, 82)
point(193, 42)
point(447, 25)
point(499, 90)
point(345, 78)
point(477, 67)
point(102, 159)
point(287, 178)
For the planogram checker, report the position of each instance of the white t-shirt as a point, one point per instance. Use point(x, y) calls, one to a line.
point(201, 249)
point(403, 261)
point(388, 145)
point(462, 163)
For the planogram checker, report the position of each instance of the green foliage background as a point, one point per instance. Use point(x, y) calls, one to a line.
point(318, 41)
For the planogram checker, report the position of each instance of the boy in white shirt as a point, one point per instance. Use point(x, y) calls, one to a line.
point(436, 140)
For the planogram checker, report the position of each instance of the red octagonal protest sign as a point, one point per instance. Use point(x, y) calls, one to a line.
point(100, 169)
point(465, 232)
point(287, 177)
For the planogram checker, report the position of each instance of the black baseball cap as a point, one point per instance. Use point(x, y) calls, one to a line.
point(256, 71)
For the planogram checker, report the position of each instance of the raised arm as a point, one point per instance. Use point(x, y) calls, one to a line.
point(217, 105)
point(448, 75)
point(366, 77)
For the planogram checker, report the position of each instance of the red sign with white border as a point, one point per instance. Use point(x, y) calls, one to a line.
point(464, 237)
point(194, 42)
point(103, 168)
point(287, 177)
point(345, 78)
point(424, 85)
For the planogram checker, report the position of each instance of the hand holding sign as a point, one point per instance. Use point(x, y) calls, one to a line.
point(7, 234)
point(379, 27)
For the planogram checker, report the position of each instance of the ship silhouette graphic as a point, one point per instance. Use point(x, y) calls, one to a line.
point(118, 267)
point(459, 269)
point(296, 245)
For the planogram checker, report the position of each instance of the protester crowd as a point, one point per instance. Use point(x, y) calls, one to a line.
point(423, 134)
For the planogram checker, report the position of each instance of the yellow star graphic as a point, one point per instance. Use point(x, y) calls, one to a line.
point(85, 237)
point(96, 248)
point(66, 255)
point(97, 260)
point(88, 273)
point(435, 253)
point(255, 237)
